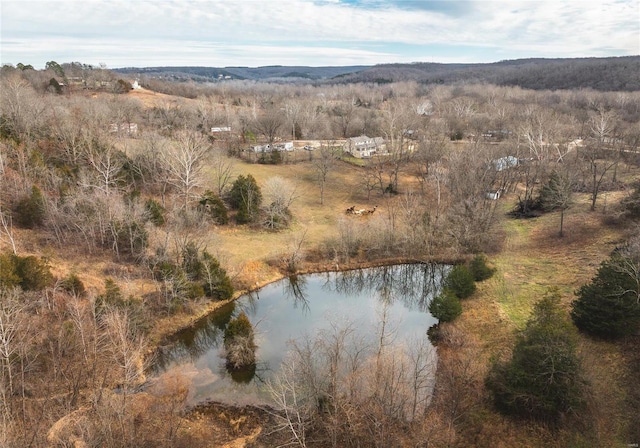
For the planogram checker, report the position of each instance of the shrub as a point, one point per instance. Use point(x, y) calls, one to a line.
point(112, 296)
point(460, 281)
point(543, 378)
point(446, 306)
point(29, 273)
point(608, 306)
point(73, 285)
point(191, 263)
point(129, 237)
point(213, 207)
point(479, 268)
point(155, 212)
point(239, 342)
point(30, 210)
point(631, 204)
point(216, 282)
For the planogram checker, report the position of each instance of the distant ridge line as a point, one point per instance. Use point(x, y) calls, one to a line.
point(605, 74)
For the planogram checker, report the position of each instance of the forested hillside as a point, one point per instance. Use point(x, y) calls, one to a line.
point(128, 213)
point(603, 74)
point(209, 74)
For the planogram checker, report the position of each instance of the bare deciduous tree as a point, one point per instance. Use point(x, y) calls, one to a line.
point(15, 356)
point(106, 161)
point(269, 123)
point(341, 387)
point(223, 171)
point(398, 124)
point(278, 194)
point(6, 229)
point(184, 162)
point(598, 153)
point(323, 163)
point(20, 106)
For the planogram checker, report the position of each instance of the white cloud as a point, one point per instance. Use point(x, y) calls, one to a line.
point(328, 32)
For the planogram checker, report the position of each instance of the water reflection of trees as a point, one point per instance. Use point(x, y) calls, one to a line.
point(258, 372)
point(250, 303)
point(295, 287)
point(412, 284)
point(191, 343)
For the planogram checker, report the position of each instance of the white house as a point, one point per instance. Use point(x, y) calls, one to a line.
point(504, 163)
point(286, 146)
point(218, 130)
point(261, 148)
point(363, 147)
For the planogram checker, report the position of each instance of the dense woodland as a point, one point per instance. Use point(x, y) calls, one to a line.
point(119, 210)
point(603, 74)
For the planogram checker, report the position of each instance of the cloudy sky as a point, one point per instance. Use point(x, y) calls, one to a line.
point(124, 33)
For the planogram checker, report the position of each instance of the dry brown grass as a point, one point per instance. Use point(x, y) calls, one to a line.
point(248, 250)
point(536, 258)
point(149, 98)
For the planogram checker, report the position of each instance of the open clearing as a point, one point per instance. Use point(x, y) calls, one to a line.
point(533, 259)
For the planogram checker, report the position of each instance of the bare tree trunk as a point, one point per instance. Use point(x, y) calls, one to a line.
point(7, 229)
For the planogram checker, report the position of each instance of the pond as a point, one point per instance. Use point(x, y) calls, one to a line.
point(291, 310)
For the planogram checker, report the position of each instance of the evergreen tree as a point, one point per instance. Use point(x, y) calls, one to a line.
point(557, 194)
point(460, 281)
point(216, 282)
point(29, 273)
point(445, 307)
point(155, 212)
point(57, 68)
point(31, 209)
point(246, 197)
point(112, 295)
point(73, 285)
point(609, 306)
point(54, 86)
point(479, 268)
point(542, 380)
point(191, 263)
point(213, 207)
point(631, 204)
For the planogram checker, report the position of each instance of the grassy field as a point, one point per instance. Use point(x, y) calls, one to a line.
point(247, 250)
point(533, 259)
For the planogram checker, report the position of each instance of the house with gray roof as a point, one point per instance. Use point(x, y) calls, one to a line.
point(363, 147)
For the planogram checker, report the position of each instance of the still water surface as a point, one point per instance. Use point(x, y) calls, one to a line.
point(295, 308)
